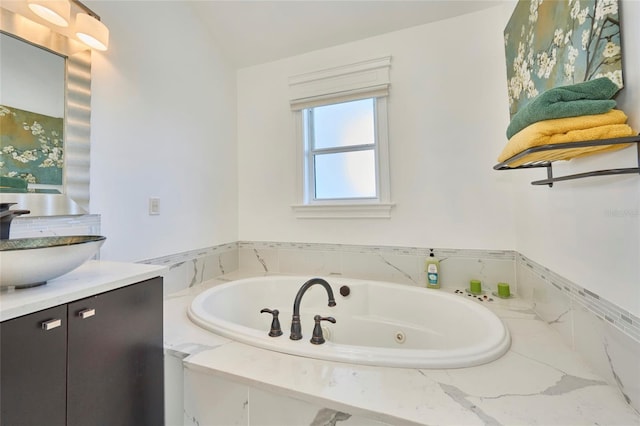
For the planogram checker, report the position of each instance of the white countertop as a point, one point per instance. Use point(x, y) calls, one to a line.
point(540, 380)
point(91, 278)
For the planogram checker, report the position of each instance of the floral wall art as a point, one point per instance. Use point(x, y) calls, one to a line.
point(31, 146)
point(550, 43)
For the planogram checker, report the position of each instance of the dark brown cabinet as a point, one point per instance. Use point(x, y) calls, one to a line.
point(99, 363)
point(33, 368)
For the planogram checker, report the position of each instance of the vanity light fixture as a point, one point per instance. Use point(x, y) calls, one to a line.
point(91, 31)
point(87, 26)
point(56, 12)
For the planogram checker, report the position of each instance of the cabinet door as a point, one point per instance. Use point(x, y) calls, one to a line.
point(33, 368)
point(115, 360)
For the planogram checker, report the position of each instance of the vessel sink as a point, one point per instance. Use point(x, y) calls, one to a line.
point(28, 262)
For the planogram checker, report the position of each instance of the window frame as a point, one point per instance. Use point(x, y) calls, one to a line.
point(374, 207)
point(361, 80)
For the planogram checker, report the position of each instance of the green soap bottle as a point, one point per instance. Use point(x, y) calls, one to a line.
point(432, 268)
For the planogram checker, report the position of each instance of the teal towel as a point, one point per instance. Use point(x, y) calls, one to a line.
point(587, 98)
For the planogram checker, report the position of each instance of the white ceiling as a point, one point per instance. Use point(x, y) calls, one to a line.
point(255, 32)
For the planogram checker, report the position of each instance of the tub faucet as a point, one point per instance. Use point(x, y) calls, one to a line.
point(296, 328)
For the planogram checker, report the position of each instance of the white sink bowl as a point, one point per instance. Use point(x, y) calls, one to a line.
point(28, 262)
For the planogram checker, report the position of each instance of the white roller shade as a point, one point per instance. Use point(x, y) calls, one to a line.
point(340, 84)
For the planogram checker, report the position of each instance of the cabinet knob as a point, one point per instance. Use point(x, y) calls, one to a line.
point(86, 313)
point(51, 324)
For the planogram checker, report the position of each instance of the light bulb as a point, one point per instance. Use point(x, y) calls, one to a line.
point(92, 32)
point(56, 12)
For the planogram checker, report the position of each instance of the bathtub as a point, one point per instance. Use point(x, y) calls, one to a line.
point(378, 323)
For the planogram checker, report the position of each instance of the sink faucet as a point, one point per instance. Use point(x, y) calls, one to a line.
point(296, 328)
point(6, 216)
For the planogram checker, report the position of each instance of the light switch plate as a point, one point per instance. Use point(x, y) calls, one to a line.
point(154, 206)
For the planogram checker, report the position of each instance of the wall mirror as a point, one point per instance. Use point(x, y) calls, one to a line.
point(22, 37)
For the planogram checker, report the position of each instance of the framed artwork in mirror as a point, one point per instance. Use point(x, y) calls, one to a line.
point(31, 146)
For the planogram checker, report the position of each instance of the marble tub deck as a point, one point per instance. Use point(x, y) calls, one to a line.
point(539, 381)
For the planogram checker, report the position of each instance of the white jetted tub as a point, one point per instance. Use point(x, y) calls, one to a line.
point(378, 323)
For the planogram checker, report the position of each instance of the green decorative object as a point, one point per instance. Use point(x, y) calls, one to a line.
point(31, 146)
point(503, 290)
point(475, 286)
point(558, 43)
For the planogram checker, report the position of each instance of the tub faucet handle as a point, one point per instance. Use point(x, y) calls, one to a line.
point(318, 338)
point(275, 323)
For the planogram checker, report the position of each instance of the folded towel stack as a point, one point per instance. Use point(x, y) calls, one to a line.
point(580, 112)
point(566, 130)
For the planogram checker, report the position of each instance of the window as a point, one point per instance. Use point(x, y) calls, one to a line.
point(342, 136)
point(340, 147)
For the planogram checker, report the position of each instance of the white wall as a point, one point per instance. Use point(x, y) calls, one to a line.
point(589, 230)
point(447, 115)
point(163, 124)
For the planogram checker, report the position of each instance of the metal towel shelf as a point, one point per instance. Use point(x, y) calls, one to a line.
point(583, 144)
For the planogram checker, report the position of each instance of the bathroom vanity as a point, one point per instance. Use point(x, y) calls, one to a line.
point(84, 349)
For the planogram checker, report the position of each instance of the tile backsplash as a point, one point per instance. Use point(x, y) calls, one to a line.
point(44, 226)
point(534, 280)
point(605, 335)
point(193, 267)
point(402, 265)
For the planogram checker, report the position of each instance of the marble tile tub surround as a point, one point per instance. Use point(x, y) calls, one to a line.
point(539, 381)
point(533, 280)
point(190, 268)
point(605, 335)
point(403, 265)
point(211, 400)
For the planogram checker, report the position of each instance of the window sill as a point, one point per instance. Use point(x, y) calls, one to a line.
point(343, 211)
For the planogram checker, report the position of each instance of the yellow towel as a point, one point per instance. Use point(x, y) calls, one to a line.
point(567, 130)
